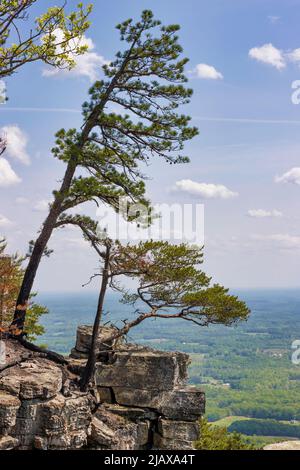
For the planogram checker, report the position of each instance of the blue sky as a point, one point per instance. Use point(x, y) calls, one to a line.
point(244, 58)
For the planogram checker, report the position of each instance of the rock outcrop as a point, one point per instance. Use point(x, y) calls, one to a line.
point(138, 400)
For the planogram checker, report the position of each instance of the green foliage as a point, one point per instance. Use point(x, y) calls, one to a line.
point(11, 275)
point(145, 83)
point(265, 427)
point(171, 283)
point(33, 328)
point(218, 438)
point(54, 37)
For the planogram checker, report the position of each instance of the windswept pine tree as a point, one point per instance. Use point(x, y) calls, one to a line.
point(146, 83)
point(170, 285)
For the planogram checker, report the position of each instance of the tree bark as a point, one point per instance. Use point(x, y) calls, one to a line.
point(90, 365)
point(38, 250)
point(18, 322)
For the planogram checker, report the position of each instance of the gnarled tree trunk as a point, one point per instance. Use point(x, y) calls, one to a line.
point(90, 365)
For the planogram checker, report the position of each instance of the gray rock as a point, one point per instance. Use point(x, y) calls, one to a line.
point(132, 413)
point(163, 443)
point(143, 369)
point(73, 440)
point(178, 430)
point(78, 355)
point(105, 395)
point(58, 423)
point(109, 431)
point(8, 443)
point(9, 406)
point(181, 403)
point(36, 378)
point(84, 339)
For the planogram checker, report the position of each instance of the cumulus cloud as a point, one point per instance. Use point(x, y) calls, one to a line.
point(16, 143)
point(7, 175)
point(268, 54)
point(87, 64)
point(291, 176)
point(4, 221)
point(204, 190)
point(41, 206)
point(294, 56)
point(281, 240)
point(207, 72)
point(262, 213)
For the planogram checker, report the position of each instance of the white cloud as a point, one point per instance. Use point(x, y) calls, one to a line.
point(291, 176)
point(294, 56)
point(268, 54)
point(4, 221)
point(207, 72)
point(41, 206)
point(262, 213)
point(21, 200)
point(88, 64)
point(7, 175)
point(281, 240)
point(16, 140)
point(204, 190)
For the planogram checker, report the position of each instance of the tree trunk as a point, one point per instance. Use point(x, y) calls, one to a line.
point(90, 365)
point(38, 250)
point(18, 322)
point(17, 325)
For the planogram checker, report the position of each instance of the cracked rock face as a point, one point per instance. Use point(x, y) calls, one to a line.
point(36, 378)
point(143, 369)
point(33, 411)
point(9, 406)
point(138, 400)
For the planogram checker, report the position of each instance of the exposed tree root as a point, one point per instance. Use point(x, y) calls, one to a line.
point(53, 356)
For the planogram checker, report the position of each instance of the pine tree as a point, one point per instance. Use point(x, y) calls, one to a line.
point(170, 285)
point(147, 83)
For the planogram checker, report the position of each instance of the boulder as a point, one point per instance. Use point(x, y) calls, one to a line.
point(35, 378)
point(178, 430)
point(181, 403)
point(110, 431)
point(143, 369)
point(84, 339)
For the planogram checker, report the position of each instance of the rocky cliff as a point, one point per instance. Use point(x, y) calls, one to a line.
point(139, 399)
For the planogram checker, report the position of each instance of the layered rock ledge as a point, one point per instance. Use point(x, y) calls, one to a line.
point(138, 400)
